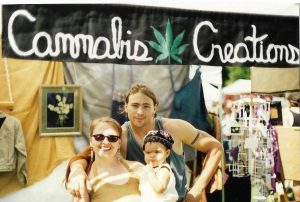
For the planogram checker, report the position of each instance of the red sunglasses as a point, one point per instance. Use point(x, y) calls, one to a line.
point(101, 137)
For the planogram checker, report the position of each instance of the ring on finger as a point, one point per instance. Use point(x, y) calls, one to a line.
point(77, 193)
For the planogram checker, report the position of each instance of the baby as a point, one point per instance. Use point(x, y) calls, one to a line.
point(157, 182)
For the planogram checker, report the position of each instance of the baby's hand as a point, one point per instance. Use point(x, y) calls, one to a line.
point(151, 164)
point(148, 169)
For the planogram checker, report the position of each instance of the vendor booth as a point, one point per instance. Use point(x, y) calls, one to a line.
point(85, 57)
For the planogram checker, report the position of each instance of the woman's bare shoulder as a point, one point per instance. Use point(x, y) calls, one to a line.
point(135, 165)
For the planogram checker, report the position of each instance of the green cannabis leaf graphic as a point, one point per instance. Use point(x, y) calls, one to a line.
point(168, 47)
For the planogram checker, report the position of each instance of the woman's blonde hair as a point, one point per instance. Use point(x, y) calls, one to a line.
point(112, 122)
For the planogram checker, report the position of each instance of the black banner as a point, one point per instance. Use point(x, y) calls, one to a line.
point(127, 34)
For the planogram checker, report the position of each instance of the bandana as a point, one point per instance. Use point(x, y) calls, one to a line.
point(159, 136)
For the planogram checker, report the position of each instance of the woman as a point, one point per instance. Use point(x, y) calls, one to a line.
point(111, 177)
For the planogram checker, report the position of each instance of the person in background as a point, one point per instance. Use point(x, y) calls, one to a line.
point(110, 177)
point(294, 109)
point(141, 107)
point(227, 116)
point(157, 182)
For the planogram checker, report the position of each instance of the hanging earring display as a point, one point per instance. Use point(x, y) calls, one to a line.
point(250, 132)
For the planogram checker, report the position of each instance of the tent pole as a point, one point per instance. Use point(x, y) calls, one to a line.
point(220, 111)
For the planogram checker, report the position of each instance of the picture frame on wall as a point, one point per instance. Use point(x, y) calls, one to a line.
point(60, 110)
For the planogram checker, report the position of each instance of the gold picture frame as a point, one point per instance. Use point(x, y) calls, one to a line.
point(60, 110)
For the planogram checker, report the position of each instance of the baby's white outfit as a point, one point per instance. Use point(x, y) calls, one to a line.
point(149, 195)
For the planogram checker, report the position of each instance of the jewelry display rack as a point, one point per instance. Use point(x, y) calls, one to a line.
point(250, 145)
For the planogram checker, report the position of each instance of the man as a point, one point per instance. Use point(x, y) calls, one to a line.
point(141, 107)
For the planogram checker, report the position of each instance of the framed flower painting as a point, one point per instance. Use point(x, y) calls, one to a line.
point(60, 110)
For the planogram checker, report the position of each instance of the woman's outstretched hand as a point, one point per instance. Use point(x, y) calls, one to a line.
point(190, 198)
point(78, 185)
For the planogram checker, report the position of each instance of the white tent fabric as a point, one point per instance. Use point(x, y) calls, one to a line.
point(211, 74)
point(240, 86)
point(211, 77)
point(211, 93)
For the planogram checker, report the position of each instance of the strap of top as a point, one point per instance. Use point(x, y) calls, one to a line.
point(126, 166)
point(135, 153)
point(94, 170)
point(158, 123)
point(164, 165)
